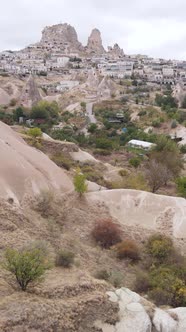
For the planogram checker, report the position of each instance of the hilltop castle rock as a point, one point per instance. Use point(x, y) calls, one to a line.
point(95, 43)
point(63, 39)
point(61, 36)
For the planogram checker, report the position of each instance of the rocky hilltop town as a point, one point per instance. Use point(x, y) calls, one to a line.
point(59, 45)
point(60, 53)
point(92, 188)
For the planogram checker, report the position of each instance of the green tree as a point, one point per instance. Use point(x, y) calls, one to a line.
point(103, 143)
point(45, 110)
point(27, 265)
point(35, 132)
point(80, 183)
point(166, 101)
point(181, 186)
point(135, 162)
point(157, 174)
point(92, 128)
point(167, 153)
point(17, 113)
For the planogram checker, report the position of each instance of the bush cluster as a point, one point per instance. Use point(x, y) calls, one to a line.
point(115, 277)
point(106, 233)
point(165, 277)
point(159, 247)
point(62, 161)
point(127, 249)
point(135, 162)
point(65, 258)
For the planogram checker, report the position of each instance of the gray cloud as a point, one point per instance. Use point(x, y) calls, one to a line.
point(152, 27)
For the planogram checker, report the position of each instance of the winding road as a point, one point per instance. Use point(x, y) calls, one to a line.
point(89, 111)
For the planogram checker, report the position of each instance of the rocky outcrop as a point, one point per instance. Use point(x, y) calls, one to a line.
point(62, 36)
point(143, 213)
point(115, 51)
point(95, 45)
point(30, 94)
point(25, 170)
point(139, 315)
point(106, 88)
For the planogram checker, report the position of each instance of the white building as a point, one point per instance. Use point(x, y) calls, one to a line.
point(168, 72)
point(134, 143)
point(67, 85)
point(62, 61)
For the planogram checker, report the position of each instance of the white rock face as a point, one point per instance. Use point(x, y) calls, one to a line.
point(25, 170)
point(163, 322)
point(134, 315)
point(63, 36)
point(95, 43)
point(181, 318)
point(145, 210)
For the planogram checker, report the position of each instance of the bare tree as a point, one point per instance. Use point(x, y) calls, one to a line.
point(157, 174)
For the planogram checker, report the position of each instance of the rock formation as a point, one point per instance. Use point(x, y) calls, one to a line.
point(139, 315)
point(30, 94)
point(143, 213)
point(106, 88)
point(115, 51)
point(95, 43)
point(62, 36)
point(25, 170)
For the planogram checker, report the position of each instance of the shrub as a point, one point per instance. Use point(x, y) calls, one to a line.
point(62, 161)
point(27, 265)
point(103, 143)
point(132, 181)
point(181, 186)
point(35, 132)
point(13, 102)
point(123, 172)
point(160, 247)
point(127, 249)
point(83, 105)
point(142, 113)
point(92, 128)
point(174, 124)
point(164, 280)
point(80, 183)
point(102, 152)
point(102, 275)
point(142, 282)
point(116, 278)
point(106, 233)
point(65, 258)
point(44, 203)
point(183, 149)
point(156, 123)
point(135, 162)
point(160, 296)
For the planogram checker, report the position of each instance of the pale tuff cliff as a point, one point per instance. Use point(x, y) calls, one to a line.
point(61, 35)
point(95, 43)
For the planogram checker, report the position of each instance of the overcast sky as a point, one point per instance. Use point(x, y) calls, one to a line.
point(153, 27)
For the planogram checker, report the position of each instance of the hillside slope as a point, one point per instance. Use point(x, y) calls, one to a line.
point(25, 170)
point(143, 210)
